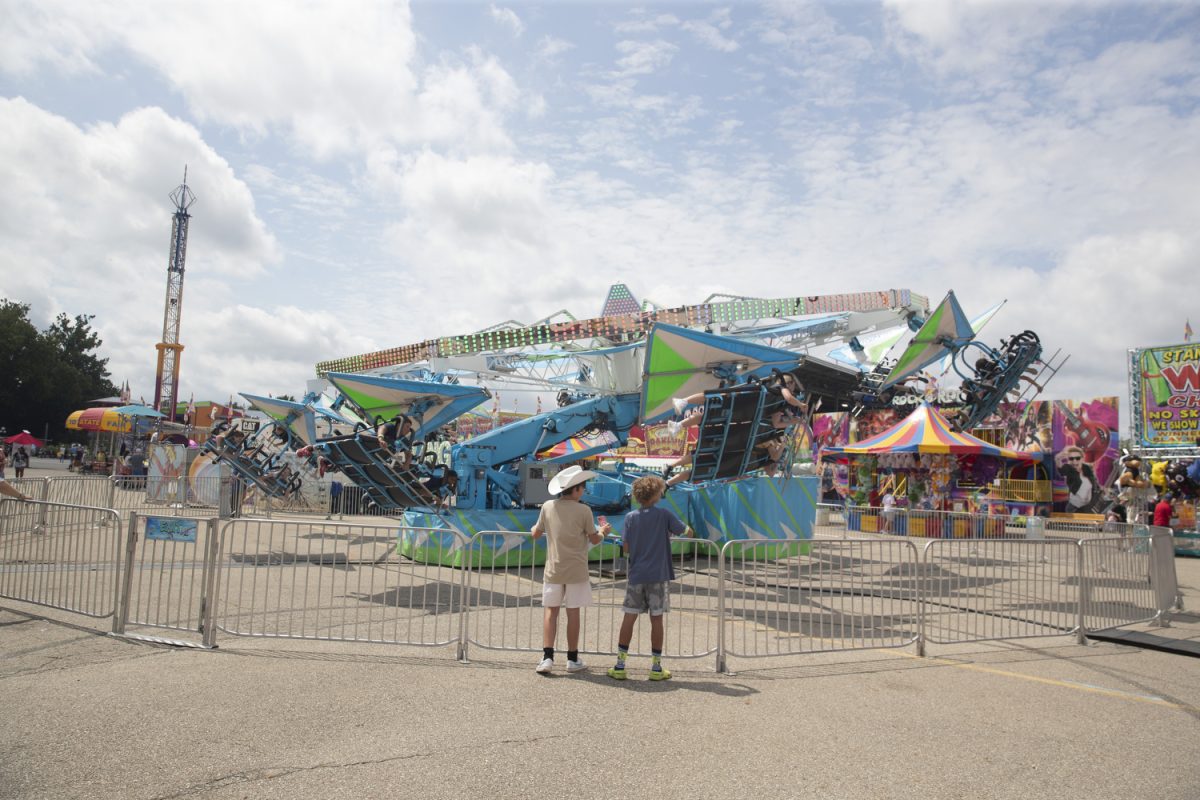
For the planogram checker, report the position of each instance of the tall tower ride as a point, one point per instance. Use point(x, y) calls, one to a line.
point(166, 380)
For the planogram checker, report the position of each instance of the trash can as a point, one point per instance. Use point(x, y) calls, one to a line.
point(1035, 527)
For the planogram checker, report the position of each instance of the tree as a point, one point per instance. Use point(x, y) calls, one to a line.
point(44, 376)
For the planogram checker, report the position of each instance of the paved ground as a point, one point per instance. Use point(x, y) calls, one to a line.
point(90, 716)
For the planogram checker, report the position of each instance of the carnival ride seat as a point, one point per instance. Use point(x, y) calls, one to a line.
point(255, 464)
point(366, 461)
point(998, 374)
point(736, 421)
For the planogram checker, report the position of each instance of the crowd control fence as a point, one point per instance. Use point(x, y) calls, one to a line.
point(339, 582)
point(928, 524)
point(383, 582)
point(60, 556)
point(504, 598)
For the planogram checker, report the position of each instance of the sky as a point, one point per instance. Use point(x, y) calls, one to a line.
point(371, 174)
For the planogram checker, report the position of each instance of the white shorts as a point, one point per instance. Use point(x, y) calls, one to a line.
point(575, 595)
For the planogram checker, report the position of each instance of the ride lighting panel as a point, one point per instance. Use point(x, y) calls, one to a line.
point(617, 327)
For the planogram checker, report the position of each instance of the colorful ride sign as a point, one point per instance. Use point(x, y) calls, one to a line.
point(1164, 385)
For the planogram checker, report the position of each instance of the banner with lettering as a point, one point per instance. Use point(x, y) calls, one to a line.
point(1165, 383)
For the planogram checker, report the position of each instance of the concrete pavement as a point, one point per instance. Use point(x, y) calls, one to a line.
point(90, 716)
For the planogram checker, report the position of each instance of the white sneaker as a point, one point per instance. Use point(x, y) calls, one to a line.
point(674, 427)
point(576, 666)
point(546, 666)
point(679, 403)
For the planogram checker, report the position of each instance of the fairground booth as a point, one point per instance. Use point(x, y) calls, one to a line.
point(928, 466)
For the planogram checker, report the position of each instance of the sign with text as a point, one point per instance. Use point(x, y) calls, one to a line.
point(172, 529)
point(1165, 382)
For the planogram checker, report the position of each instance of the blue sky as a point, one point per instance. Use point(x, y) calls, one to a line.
point(374, 173)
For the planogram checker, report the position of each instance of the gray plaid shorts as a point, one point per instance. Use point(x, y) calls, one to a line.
point(643, 597)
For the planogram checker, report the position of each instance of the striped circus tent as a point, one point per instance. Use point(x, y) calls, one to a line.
point(927, 431)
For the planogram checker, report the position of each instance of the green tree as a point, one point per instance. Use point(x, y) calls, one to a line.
point(44, 376)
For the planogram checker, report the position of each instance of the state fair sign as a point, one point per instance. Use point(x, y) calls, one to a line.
point(1165, 382)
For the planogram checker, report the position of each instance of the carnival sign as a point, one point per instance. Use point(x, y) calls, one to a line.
point(1164, 386)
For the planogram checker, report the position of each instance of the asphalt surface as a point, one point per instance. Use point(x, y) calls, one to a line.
point(87, 715)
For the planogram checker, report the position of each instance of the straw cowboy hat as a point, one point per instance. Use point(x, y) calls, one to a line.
point(571, 476)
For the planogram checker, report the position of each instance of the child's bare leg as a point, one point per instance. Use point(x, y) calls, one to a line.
point(572, 629)
point(626, 634)
point(550, 626)
point(656, 632)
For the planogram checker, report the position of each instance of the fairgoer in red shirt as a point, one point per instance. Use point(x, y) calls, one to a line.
point(1163, 511)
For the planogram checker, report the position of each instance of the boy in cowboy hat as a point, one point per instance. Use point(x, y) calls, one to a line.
point(570, 530)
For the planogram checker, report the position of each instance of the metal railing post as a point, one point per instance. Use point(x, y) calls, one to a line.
point(112, 493)
point(119, 578)
point(121, 618)
point(208, 596)
point(1084, 594)
point(464, 610)
point(924, 574)
point(721, 665)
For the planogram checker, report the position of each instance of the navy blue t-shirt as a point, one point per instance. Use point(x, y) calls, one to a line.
point(647, 533)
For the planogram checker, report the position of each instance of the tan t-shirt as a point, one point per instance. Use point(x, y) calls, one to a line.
point(567, 525)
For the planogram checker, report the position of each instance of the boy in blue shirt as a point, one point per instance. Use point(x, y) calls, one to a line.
point(647, 536)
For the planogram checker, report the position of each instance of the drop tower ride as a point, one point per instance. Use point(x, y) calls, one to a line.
point(166, 379)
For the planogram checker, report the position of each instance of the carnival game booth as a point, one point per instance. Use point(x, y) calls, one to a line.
point(934, 471)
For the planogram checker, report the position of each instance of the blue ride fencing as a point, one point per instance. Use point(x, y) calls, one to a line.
point(60, 556)
point(337, 581)
point(504, 599)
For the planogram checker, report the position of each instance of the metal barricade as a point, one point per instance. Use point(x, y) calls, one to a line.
point(830, 520)
point(340, 582)
point(168, 577)
point(504, 599)
point(1082, 529)
point(921, 523)
point(1127, 579)
point(807, 596)
point(96, 491)
point(179, 496)
point(999, 589)
point(60, 556)
point(33, 488)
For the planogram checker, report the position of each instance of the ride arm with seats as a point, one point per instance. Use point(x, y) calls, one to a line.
point(366, 460)
point(734, 431)
point(254, 457)
point(480, 460)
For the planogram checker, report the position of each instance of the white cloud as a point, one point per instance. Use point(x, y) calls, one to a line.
point(551, 47)
point(335, 83)
point(992, 41)
point(85, 223)
point(507, 18)
point(644, 58)
point(1129, 73)
point(710, 31)
point(642, 21)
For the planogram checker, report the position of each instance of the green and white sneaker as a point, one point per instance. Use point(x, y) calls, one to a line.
point(618, 673)
point(660, 674)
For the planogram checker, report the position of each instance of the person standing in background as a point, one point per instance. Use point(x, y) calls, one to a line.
point(20, 461)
